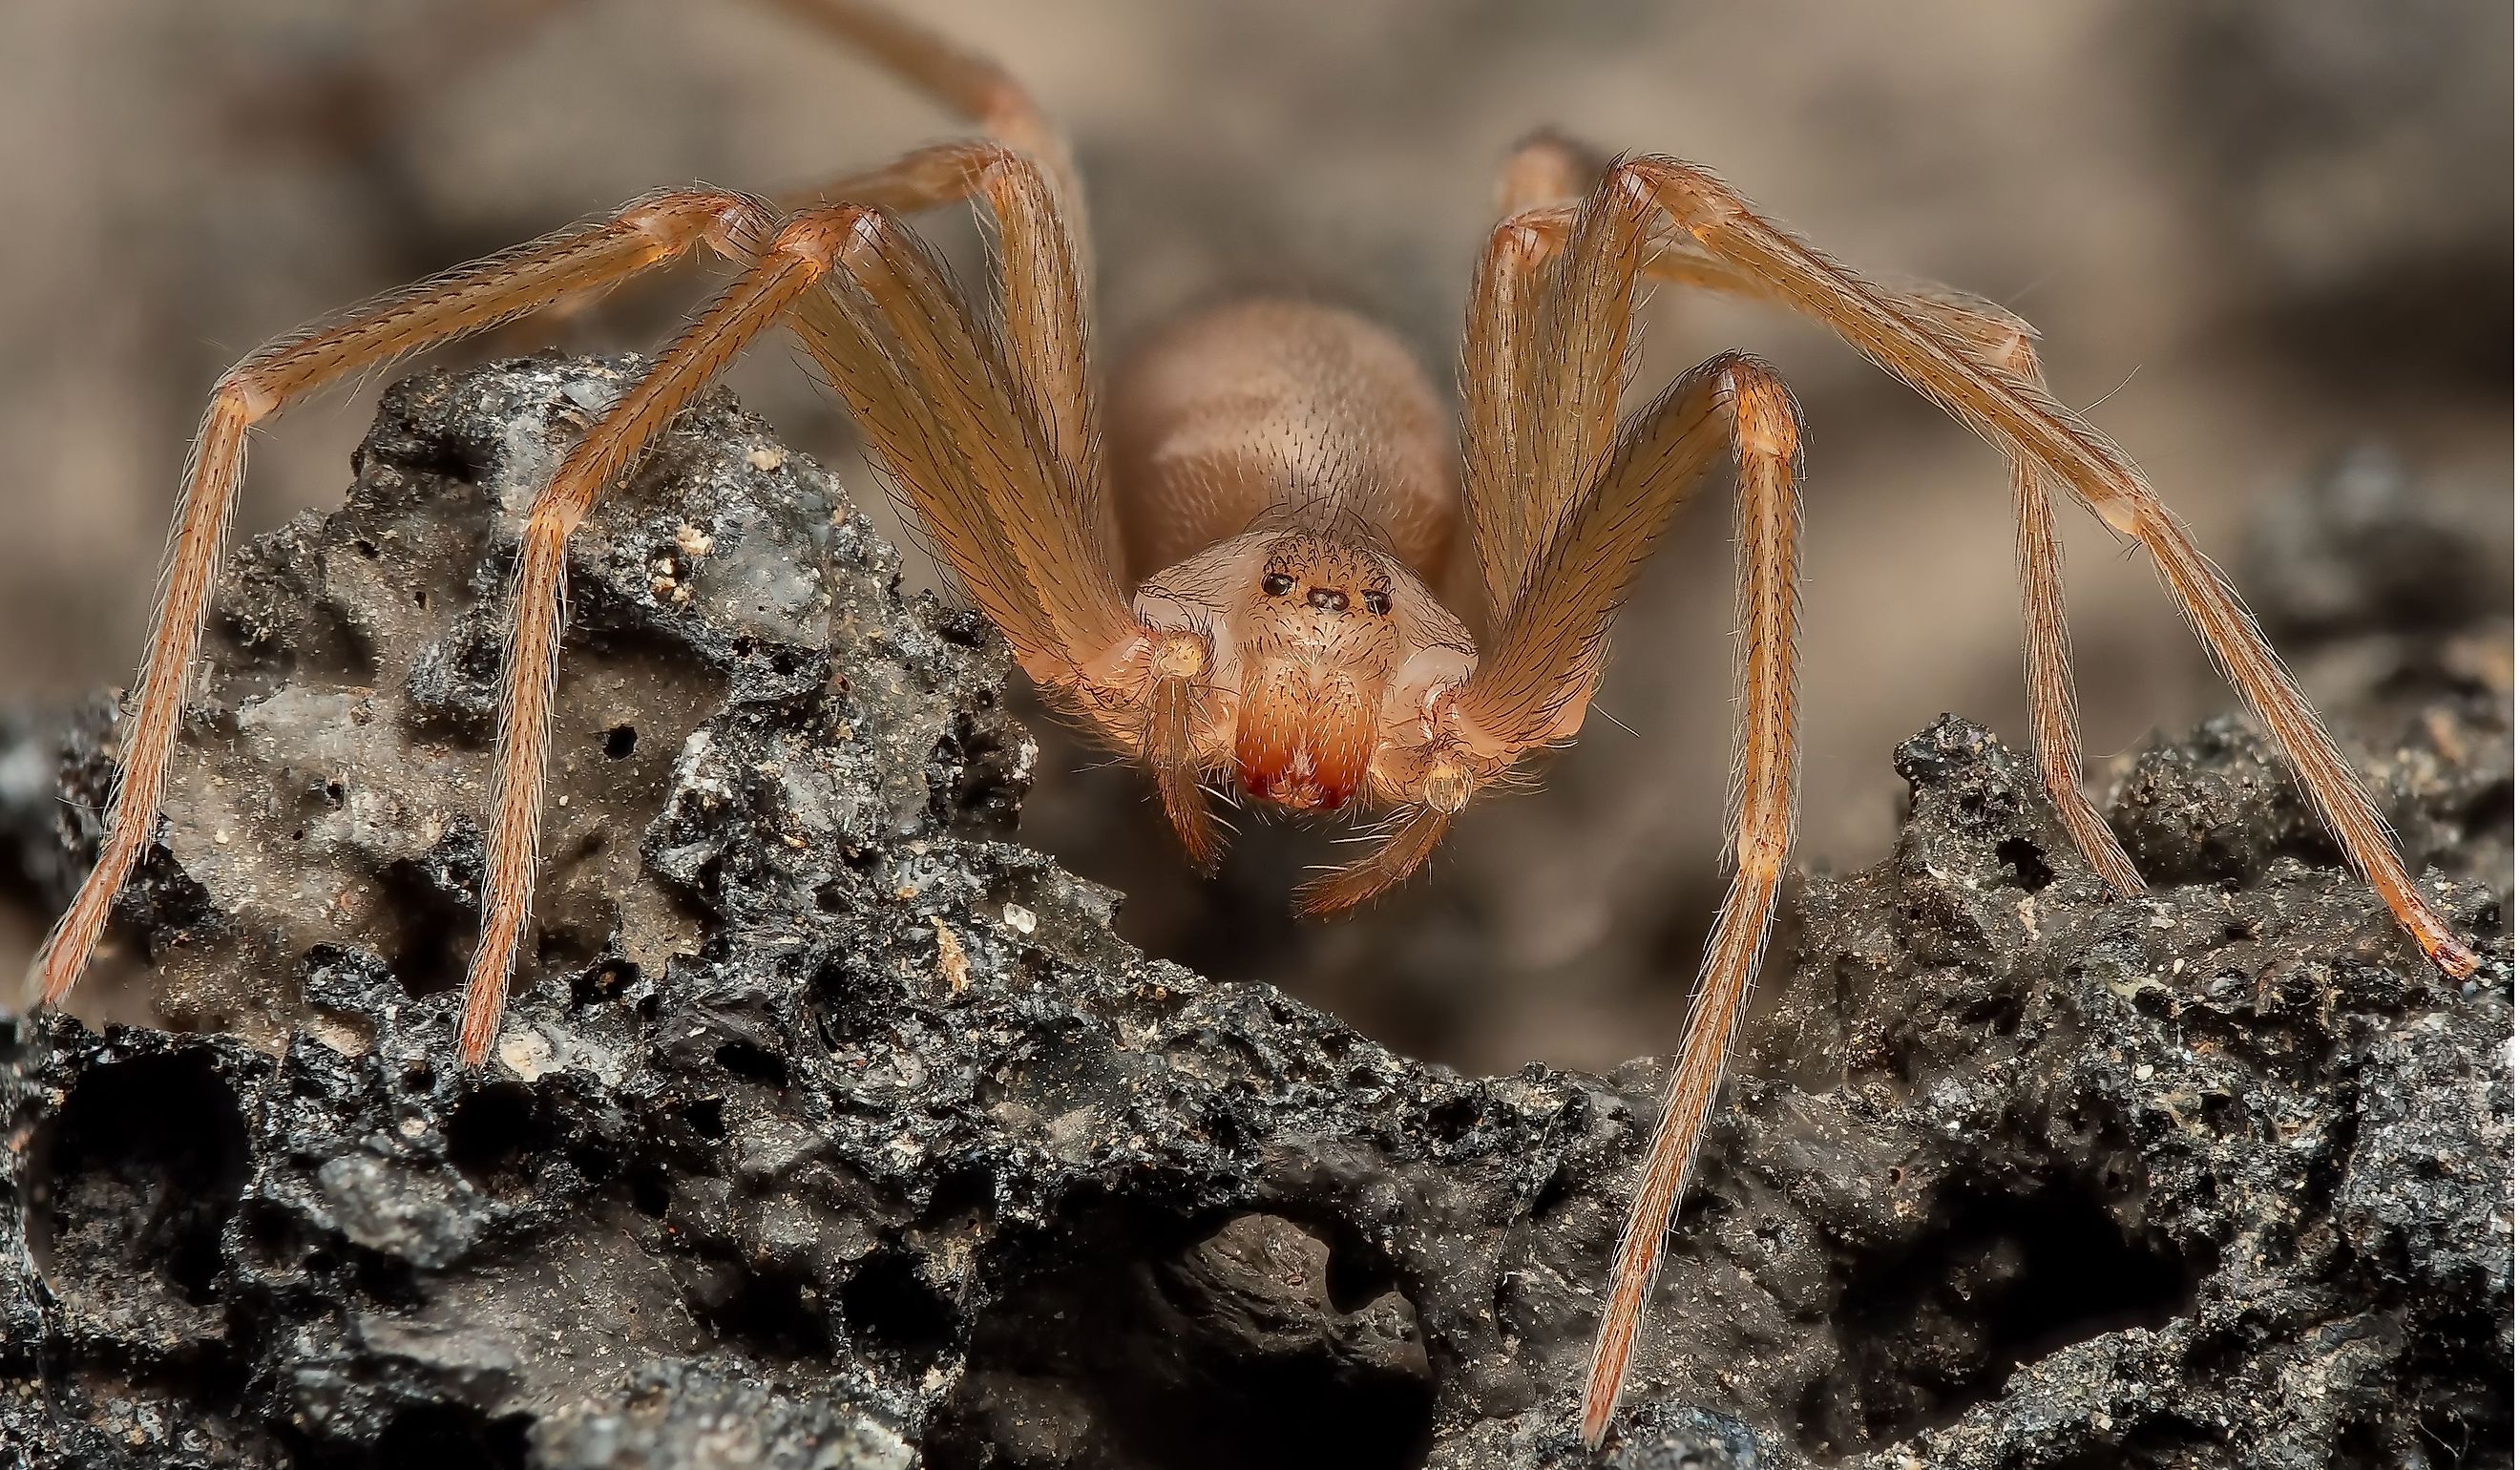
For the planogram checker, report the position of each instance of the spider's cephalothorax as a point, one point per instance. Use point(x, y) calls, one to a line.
point(1286, 473)
point(1310, 535)
point(1321, 645)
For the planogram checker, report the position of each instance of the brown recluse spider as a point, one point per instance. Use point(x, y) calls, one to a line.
point(1260, 551)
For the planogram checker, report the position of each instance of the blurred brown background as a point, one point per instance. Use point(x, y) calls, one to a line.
point(2262, 230)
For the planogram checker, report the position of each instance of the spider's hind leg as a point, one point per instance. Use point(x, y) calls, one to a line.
point(1537, 174)
point(1713, 231)
point(2004, 343)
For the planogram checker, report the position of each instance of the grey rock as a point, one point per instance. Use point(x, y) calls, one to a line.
point(832, 1127)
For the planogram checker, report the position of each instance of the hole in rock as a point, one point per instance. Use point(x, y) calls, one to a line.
point(384, 1278)
point(1154, 1350)
point(1451, 1120)
point(890, 1308)
point(652, 1190)
point(775, 1315)
point(604, 981)
point(495, 1135)
point(1928, 1332)
point(2025, 866)
point(854, 1007)
point(433, 933)
point(134, 1178)
point(449, 1436)
point(755, 1063)
point(594, 1164)
point(707, 1117)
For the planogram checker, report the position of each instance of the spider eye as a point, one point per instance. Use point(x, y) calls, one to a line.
point(1277, 584)
point(1377, 601)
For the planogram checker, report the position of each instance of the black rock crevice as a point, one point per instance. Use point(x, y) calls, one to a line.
point(832, 1126)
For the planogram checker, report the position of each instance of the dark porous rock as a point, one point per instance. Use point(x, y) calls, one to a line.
point(832, 1127)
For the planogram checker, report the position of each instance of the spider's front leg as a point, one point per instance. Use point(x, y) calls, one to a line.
point(1530, 689)
point(644, 236)
point(992, 448)
point(2005, 345)
point(1547, 175)
point(1551, 330)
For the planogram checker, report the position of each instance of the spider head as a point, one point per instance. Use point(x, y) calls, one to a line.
point(1319, 645)
point(1327, 648)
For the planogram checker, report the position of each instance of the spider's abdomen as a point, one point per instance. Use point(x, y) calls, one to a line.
point(1281, 413)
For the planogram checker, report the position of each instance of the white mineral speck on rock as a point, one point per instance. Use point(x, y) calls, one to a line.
point(340, 1038)
point(526, 1053)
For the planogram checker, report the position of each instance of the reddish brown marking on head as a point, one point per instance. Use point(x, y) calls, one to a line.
point(1303, 741)
point(1319, 650)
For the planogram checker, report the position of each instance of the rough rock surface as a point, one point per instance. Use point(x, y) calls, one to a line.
point(831, 1128)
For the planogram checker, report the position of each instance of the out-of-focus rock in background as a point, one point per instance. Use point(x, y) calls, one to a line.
point(2262, 231)
point(830, 1127)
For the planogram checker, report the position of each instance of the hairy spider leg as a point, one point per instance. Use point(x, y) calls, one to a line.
point(1914, 340)
point(968, 83)
point(2003, 344)
point(1043, 282)
point(953, 418)
point(792, 264)
point(2018, 417)
point(1546, 168)
point(1029, 537)
point(1765, 437)
point(1045, 293)
point(1545, 353)
point(644, 236)
point(1538, 412)
point(1499, 491)
point(1501, 497)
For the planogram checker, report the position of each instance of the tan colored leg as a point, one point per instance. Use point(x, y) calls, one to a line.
point(793, 262)
point(2019, 417)
point(1509, 528)
point(957, 424)
point(1393, 858)
point(1546, 168)
point(987, 483)
point(2047, 663)
point(2007, 344)
point(645, 234)
point(1023, 529)
point(1544, 353)
point(2002, 342)
point(1046, 311)
point(1765, 435)
point(1539, 660)
point(1537, 189)
point(1050, 282)
point(1532, 677)
point(970, 84)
